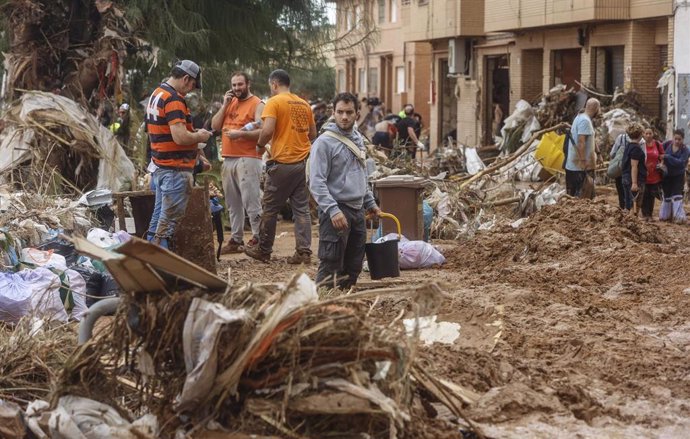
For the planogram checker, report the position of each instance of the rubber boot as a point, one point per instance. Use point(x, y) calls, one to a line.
point(678, 210)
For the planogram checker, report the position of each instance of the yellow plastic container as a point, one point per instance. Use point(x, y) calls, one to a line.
point(550, 152)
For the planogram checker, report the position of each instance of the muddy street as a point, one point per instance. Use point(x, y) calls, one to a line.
point(574, 324)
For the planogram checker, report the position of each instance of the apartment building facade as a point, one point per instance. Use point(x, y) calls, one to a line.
point(484, 54)
point(374, 60)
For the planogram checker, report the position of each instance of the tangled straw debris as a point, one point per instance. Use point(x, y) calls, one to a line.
point(51, 144)
point(258, 358)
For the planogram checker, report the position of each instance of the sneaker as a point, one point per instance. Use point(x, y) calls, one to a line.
point(299, 258)
point(232, 247)
point(253, 242)
point(256, 253)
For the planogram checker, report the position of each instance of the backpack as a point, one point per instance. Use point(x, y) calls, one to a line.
point(615, 169)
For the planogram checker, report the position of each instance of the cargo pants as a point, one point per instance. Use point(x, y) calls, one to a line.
point(341, 252)
point(285, 181)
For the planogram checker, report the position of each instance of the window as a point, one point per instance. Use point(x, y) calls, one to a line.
point(382, 10)
point(363, 80)
point(373, 81)
point(400, 79)
point(394, 11)
point(341, 80)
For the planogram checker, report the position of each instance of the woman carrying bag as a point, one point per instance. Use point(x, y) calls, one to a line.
point(676, 160)
point(655, 156)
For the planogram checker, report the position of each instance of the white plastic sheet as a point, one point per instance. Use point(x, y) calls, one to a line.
point(82, 418)
point(473, 163)
point(199, 339)
point(430, 331)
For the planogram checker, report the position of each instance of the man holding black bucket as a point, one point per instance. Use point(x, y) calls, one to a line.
point(338, 183)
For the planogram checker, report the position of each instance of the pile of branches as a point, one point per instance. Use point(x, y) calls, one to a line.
point(558, 105)
point(298, 367)
point(52, 145)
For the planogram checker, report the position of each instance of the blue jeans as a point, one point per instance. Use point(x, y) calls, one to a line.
point(173, 188)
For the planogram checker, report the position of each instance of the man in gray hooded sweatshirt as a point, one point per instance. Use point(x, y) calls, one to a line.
point(338, 183)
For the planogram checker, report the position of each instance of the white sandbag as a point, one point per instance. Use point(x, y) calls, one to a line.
point(44, 258)
point(78, 286)
point(15, 297)
point(45, 294)
point(418, 254)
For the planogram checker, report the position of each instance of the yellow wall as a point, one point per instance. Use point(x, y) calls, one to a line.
point(524, 14)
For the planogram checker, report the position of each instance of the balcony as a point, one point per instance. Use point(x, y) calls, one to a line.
point(511, 15)
point(425, 20)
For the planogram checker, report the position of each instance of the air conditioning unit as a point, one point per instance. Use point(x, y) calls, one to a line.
point(460, 56)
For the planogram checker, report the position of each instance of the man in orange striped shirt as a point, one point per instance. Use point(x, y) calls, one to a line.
point(173, 149)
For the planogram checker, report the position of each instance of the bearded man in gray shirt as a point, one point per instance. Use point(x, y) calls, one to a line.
point(338, 183)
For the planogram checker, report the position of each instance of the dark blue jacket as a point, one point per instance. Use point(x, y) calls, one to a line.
point(676, 162)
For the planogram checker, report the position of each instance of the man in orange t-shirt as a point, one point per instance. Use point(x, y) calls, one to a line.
point(288, 123)
point(240, 118)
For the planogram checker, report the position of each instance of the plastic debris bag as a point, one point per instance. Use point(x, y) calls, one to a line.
point(77, 286)
point(200, 338)
point(102, 238)
point(418, 254)
point(44, 258)
point(45, 293)
point(15, 297)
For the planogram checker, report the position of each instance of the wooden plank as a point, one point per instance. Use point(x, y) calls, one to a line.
point(167, 261)
point(131, 274)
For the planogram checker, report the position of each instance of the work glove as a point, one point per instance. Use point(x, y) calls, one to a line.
point(421, 146)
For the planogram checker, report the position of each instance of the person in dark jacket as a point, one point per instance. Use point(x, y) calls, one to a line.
point(634, 170)
point(676, 160)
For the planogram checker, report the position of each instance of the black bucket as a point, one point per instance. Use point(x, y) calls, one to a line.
point(383, 259)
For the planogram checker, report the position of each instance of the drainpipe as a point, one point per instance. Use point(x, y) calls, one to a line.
point(99, 309)
point(679, 96)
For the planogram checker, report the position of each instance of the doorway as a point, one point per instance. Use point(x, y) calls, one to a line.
point(447, 103)
point(567, 67)
point(387, 81)
point(497, 96)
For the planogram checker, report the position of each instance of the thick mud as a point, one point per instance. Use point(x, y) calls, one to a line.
point(574, 324)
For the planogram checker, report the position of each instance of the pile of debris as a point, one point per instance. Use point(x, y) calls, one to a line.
point(556, 231)
point(52, 145)
point(30, 220)
point(189, 352)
